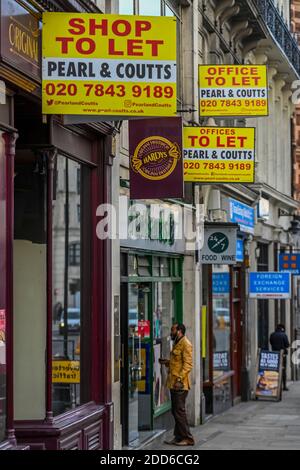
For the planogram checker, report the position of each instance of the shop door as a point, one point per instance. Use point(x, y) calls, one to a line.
point(237, 302)
point(136, 373)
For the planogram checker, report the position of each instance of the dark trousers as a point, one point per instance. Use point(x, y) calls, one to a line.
point(181, 430)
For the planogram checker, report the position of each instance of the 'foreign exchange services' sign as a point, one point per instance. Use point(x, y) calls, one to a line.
point(233, 90)
point(109, 65)
point(269, 285)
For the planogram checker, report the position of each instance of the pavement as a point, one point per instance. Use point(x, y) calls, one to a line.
point(254, 425)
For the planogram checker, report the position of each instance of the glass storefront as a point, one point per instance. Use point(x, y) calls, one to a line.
point(221, 320)
point(69, 308)
point(152, 285)
point(217, 338)
point(2, 292)
point(163, 318)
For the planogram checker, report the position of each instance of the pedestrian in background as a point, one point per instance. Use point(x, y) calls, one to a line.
point(279, 342)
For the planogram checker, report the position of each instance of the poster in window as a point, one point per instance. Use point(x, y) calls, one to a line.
point(268, 377)
point(221, 360)
point(2, 336)
point(157, 376)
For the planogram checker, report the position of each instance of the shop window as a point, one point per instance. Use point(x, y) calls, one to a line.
point(143, 266)
point(126, 7)
point(29, 285)
point(221, 320)
point(205, 320)
point(155, 267)
point(175, 269)
point(153, 8)
point(164, 267)
point(74, 254)
point(78, 181)
point(2, 293)
point(163, 318)
point(132, 265)
point(123, 261)
point(70, 299)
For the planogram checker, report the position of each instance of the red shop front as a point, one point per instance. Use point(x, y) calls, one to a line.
point(55, 289)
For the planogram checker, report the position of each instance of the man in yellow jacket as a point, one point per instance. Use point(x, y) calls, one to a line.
point(180, 365)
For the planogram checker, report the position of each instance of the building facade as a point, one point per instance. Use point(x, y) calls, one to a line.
point(222, 321)
point(101, 309)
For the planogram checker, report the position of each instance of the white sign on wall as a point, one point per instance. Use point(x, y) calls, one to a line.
point(219, 245)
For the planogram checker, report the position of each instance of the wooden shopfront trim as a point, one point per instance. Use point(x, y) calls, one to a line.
point(9, 136)
point(93, 150)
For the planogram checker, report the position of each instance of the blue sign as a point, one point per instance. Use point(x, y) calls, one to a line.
point(289, 263)
point(240, 250)
point(243, 215)
point(221, 283)
point(269, 285)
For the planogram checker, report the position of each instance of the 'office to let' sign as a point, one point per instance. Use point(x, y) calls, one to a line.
point(233, 90)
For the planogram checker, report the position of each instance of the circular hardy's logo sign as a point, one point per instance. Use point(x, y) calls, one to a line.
point(218, 242)
point(155, 158)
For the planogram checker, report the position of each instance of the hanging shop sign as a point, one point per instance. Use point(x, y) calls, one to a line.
point(233, 90)
point(66, 372)
point(290, 263)
point(109, 65)
point(20, 40)
point(268, 376)
point(155, 148)
point(219, 245)
point(219, 154)
point(269, 285)
point(242, 214)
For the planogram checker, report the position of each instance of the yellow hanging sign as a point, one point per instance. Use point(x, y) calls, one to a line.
point(219, 154)
point(109, 65)
point(233, 90)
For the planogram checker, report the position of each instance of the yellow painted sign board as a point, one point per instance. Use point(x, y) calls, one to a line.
point(233, 90)
point(66, 372)
point(109, 65)
point(204, 330)
point(219, 154)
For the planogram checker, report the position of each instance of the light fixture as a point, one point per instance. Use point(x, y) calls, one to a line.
point(257, 252)
point(294, 228)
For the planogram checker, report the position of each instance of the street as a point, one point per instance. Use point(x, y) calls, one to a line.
point(254, 425)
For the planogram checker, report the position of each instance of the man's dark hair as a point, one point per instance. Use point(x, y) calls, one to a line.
point(181, 327)
point(280, 327)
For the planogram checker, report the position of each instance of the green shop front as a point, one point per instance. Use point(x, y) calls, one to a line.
point(151, 301)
